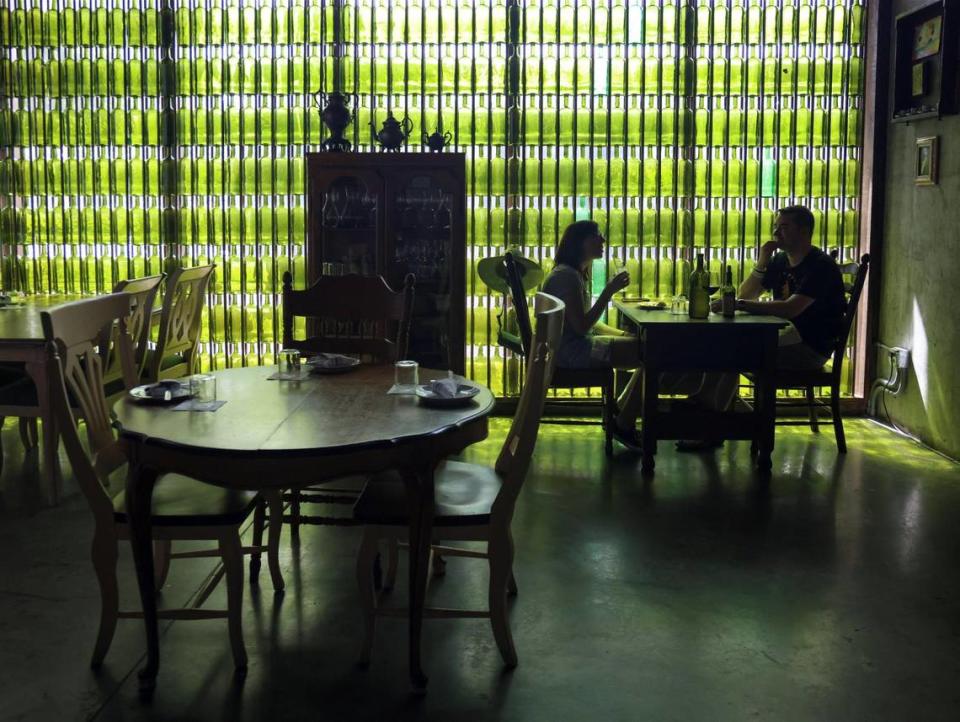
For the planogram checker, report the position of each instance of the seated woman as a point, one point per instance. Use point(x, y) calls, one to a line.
point(586, 342)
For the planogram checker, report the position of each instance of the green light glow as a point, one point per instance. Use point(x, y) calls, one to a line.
point(677, 126)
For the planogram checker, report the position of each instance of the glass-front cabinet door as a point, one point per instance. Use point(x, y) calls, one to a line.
point(421, 220)
point(395, 214)
point(349, 222)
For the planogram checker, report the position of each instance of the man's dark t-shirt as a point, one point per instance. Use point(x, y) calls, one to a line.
point(818, 277)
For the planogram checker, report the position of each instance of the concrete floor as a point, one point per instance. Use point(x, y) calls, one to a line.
point(831, 594)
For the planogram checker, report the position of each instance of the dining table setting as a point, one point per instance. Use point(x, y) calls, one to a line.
point(291, 427)
point(673, 342)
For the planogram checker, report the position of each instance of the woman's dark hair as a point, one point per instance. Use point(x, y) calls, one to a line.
point(570, 248)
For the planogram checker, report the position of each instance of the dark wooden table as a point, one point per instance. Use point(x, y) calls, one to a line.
point(289, 434)
point(677, 344)
point(22, 342)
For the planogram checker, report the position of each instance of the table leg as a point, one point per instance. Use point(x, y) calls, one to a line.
point(140, 481)
point(648, 436)
point(50, 465)
point(766, 408)
point(421, 495)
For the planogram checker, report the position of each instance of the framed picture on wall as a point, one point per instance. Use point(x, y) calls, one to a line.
point(919, 80)
point(926, 38)
point(927, 161)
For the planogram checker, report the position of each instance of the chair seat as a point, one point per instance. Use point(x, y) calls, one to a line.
point(182, 501)
point(464, 495)
point(166, 362)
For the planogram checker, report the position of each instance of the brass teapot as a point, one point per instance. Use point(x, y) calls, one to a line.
point(394, 133)
point(437, 140)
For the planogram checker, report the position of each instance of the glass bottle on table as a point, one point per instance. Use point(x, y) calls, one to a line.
point(699, 296)
point(728, 295)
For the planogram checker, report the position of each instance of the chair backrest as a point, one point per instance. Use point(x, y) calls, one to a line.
point(853, 289)
point(180, 319)
point(519, 298)
point(143, 295)
point(351, 314)
point(76, 376)
point(517, 450)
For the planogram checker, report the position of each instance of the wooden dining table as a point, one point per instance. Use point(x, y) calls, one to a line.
point(671, 343)
point(22, 342)
point(292, 434)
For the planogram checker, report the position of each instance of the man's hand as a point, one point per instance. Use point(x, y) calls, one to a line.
point(766, 253)
point(716, 305)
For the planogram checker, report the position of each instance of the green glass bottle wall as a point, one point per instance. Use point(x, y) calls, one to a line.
point(139, 133)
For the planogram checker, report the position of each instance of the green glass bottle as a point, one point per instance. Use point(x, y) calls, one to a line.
point(699, 295)
point(728, 295)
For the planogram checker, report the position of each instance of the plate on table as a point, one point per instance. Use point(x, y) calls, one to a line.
point(331, 364)
point(157, 393)
point(427, 397)
point(651, 305)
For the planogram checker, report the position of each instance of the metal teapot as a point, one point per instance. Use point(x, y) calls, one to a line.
point(394, 133)
point(437, 141)
point(336, 116)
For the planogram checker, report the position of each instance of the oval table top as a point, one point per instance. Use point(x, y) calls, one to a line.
point(337, 412)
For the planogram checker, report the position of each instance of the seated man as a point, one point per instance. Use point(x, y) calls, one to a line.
point(807, 290)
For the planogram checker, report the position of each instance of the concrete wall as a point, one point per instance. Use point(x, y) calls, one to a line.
point(920, 278)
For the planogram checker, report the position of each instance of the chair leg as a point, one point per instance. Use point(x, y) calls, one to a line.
point(295, 515)
point(393, 556)
point(275, 502)
point(512, 585)
point(259, 518)
point(837, 419)
point(501, 565)
point(368, 596)
point(161, 562)
point(609, 405)
point(231, 551)
point(812, 408)
point(2, 419)
point(28, 433)
point(104, 554)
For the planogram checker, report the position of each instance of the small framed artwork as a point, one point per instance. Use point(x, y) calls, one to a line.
point(919, 83)
point(927, 160)
point(926, 38)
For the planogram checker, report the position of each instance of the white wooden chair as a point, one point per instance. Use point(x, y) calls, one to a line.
point(183, 508)
point(473, 502)
point(143, 295)
point(176, 352)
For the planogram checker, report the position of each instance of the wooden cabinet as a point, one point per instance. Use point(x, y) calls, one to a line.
point(392, 214)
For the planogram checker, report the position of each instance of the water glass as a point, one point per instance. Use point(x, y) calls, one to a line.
point(616, 268)
point(678, 306)
point(405, 375)
point(203, 387)
point(289, 362)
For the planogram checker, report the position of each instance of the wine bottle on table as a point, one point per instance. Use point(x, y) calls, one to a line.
point(728, 296)
point(699, 305)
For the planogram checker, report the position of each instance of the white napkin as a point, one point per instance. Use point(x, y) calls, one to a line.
point(331, 360)
point(444, 388)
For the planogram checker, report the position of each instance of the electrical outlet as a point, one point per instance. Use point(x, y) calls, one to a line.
point(903, 357)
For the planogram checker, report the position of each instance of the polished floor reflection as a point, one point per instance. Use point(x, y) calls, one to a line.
point(705, 594)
